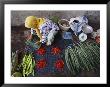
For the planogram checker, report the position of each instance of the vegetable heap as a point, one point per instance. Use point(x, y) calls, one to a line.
point(15, 66)
point(14, 62)
point(28, 65)
point(32, 44)
point(55, 19)
point(84, 56)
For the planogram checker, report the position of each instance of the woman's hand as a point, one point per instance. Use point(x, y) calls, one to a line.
point(30, 37)
point(38, 33)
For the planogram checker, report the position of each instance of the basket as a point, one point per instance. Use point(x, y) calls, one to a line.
point(64, 24)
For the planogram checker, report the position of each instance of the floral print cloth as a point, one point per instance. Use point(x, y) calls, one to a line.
point(45, 29)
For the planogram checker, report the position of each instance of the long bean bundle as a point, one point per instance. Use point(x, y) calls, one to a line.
point(84, 56)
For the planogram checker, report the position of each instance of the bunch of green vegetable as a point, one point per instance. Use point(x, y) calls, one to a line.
point(83, 56)
point(33, 45)
point(15, 70)
point(28, 65)
point(14, 62)
point(55, 19)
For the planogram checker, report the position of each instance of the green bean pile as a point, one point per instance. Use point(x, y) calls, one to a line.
point(85, 56)
point(28, 65)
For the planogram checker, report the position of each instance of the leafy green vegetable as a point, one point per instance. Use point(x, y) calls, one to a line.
point(33, 45)
point(55, 19)
point(14, 62)
point(17, 74)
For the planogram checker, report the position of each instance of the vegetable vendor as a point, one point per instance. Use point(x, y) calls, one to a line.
point(43, 27)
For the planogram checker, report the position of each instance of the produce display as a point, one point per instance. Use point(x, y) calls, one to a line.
point(16, 70)
point(83, 56)
point(28, 65)
point(14, 62)
point(63, 52)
